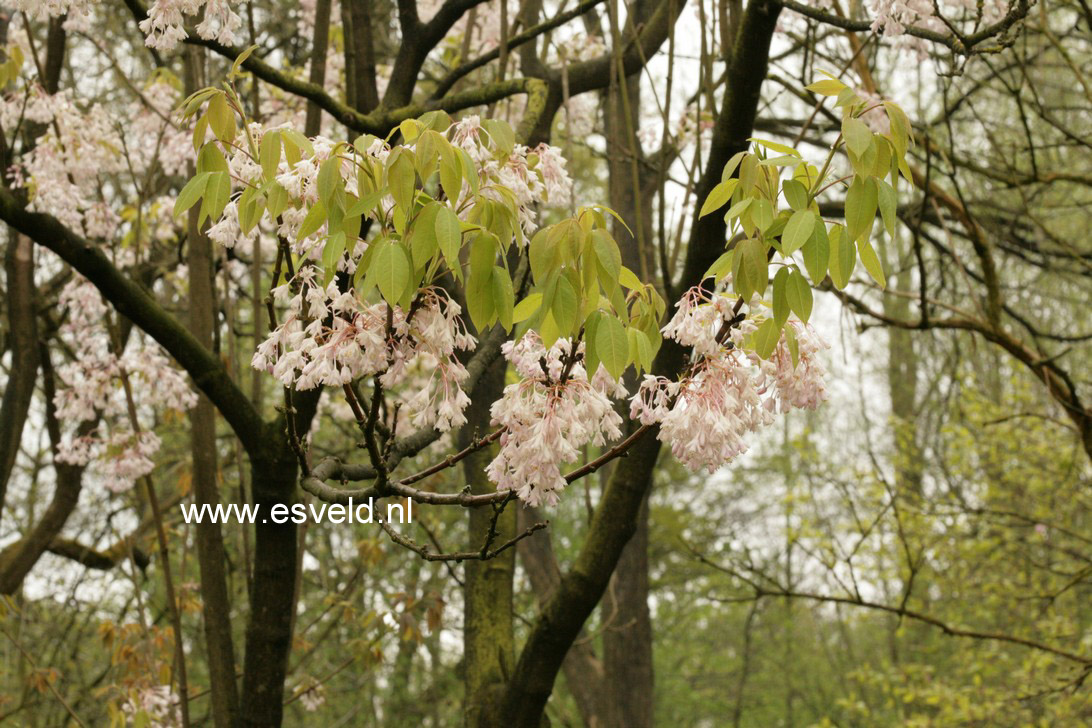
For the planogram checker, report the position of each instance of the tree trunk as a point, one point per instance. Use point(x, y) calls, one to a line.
point(211, 557)
point(489, 642)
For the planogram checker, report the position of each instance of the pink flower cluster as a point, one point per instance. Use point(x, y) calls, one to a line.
point(534, 175)
point(165, 24)
point(729, 392)
point(548, 417)
point(332, 338)
point(155, 705)
point(93, 387)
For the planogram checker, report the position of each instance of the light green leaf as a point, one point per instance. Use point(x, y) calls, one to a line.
point(781, 306)
point(797, 231)
point(564, 306)
point(817, 253)
point(857, 135)
point(861, 202)
point(826, 87)
point(607, 253)
point(720, 266)
point(872, 263)
point(269, 154)
point(799, 295)
point(781, 148)
point(423, 242)
point(217, 194)
point(329, 177)
point(503, 297)
point(766, 338)
point(401, 178)
point(191, 193)
point(331, 255)
point(449, 235)
point(221, 118)
point(843, 256)
point(612, 345)
point(887, 204)
point(796, 194)
point(526, 308)
point(718, 196)
point(313, 221)
point(391, 269)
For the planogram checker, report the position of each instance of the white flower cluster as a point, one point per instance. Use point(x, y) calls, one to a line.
point(547, 421)
point(92, 387)
point(331, 338)
point(534, 175)
point(165, 24)
point(314, 697)
point(77, 149)
point(156, 706)
point(895, 16)
point(43, 9)
point(729, 392)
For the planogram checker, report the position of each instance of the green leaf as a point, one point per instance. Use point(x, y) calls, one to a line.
point(718, 196)
point(762, 213)
point(479, 300)
point(526, 308)
point(799, 295)
point(449, 235)
point(900, 127)
point(766, 338)
point(640, 348)
point(729, 168)
point(217, 194)
point(737, 209)
point(191, 193)
point(843, 256)
point(331, 255)
point(857, 135)
point(797, 231)
point(817, 253)
point(781, 148)
point(612, 345)
point(401, 178)
point(720, 266)
point(826, 87)
point(483, 251)
point(221, 118)
point(366, 204)
point(888, 205)
point(313, 221)
point(796, 194)
point(329, 177)
point(861, 202)
point(390, 268)
point(211, 159)
point(503, 297)
point(871, 263)
point(754, 265)
point(240, 59)
point(781, 306)
point(564, 306)
point(607, 253)
point(423, 242)
point(269, 154)
point(629, 279)
point(504, 138)
point(794, 345)
point(451, 176)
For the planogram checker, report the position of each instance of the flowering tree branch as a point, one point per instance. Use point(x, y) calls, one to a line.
point(136, 304)
point(954, 41)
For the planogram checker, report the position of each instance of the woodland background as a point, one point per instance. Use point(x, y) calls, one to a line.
point(916, 552)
